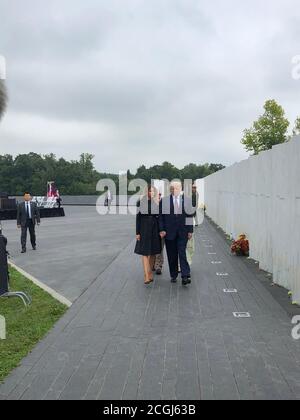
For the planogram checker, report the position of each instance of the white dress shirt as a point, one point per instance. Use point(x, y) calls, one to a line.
point(178, 199)
point(28, 209)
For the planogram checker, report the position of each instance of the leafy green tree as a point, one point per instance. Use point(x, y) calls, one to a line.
point(215, 167)
point(170, 172)
point(191, 171)
point(142, 173)
point(296, 129)
point(270, 129)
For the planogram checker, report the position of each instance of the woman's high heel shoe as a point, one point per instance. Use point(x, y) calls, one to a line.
point(151, 280)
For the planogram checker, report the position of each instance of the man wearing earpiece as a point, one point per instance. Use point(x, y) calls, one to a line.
point(28, 216)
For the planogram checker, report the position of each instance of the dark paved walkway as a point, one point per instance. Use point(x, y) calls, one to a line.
point(74, 250)
point(121, 340)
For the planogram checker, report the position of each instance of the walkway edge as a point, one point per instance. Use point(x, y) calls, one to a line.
point(41, 285)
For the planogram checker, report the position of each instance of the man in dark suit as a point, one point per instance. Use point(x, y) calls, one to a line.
point(176, 226)
point(27, 217)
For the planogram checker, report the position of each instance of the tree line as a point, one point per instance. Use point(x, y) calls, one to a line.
point(32, 171)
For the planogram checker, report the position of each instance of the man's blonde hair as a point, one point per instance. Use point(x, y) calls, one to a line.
point(175, 185)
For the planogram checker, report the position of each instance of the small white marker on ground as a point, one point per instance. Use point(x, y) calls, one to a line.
point(230, 290)
point(241, 315)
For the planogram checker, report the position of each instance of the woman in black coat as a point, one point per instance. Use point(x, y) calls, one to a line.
point(148, 243)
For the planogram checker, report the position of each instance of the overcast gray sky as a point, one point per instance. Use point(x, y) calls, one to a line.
point(144, 81)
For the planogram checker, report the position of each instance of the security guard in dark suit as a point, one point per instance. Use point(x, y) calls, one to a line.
point(28, 216)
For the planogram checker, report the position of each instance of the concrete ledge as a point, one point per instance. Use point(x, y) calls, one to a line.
point(41, 285)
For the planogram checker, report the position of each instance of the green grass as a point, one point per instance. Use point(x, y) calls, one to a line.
point(25, 327)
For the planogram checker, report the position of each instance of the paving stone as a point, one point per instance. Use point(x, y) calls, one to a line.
point(122, 340)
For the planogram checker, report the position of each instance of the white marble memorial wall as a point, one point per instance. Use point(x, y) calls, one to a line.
point(261, 197)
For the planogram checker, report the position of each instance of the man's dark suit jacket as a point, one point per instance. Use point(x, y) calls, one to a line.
point(22, 214)
point(172, 224)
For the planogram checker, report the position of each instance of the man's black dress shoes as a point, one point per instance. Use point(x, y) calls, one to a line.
point(174, 280)
point(185, 281)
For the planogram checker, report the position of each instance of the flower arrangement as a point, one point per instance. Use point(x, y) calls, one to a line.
point(241, 246)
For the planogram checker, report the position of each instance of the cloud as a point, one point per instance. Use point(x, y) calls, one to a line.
point(3, 98)
point(173, 80)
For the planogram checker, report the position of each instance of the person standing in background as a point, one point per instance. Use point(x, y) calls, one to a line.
point(28, 216)
point(195, 203)
point(159, 258)
point(108, 198)
point(190, 249)
point(58, 199)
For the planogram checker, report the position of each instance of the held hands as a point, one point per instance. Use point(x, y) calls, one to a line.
point(190, 235)
point(138, 238)
point(163, 234)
